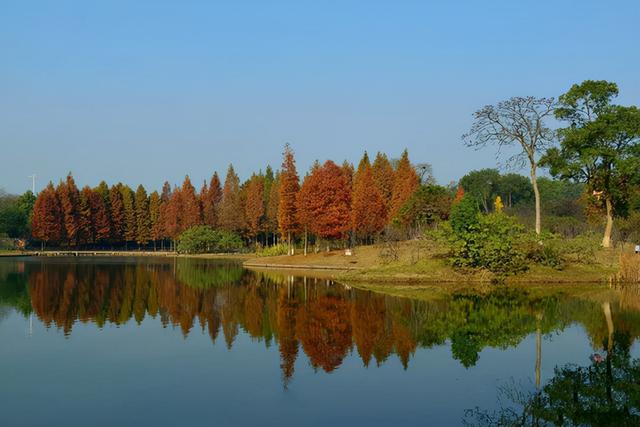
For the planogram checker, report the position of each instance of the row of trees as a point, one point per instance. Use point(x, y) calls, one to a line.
point(332, 202)
point(598, 147)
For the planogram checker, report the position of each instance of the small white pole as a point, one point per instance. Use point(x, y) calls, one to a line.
point(33, 183)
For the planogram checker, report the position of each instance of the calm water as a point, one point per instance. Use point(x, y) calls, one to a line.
point(126, 341)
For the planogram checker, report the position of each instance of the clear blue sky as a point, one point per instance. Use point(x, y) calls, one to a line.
point(142, 91)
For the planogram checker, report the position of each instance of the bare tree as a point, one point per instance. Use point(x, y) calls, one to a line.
point(519, 120)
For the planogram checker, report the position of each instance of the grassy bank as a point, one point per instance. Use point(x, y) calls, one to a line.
point(421, 262)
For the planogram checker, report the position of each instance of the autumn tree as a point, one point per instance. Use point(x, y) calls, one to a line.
point(383, 175)
point(143, 221)
point(173, 214)
point(329, 201)
point(155, 226)
point(305, 200)
point(191, 213)
point(405, 182)
point(47, 219)
point(69, 195)
point(99, 213)
point(117, 213)
point(459, 194)
point(210, 198)
point(231, 212)
point(271, 221)
point(85, 222)
point(289, 187)
point(368, 212)
point(254, 206)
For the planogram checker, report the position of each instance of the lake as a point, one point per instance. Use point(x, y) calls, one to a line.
point(164, 341)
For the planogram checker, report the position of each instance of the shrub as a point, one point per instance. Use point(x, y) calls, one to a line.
point(275, 250)
point(204, 239)
point(545, 254)
point(465, 215)
point(491, 243)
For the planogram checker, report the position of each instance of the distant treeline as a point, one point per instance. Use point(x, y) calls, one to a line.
point(332, 202)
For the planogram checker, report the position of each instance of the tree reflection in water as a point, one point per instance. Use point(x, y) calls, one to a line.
point(604, 393)
point(325, 320)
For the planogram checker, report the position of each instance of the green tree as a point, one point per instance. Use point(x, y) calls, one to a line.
point(143, 222)
point(515, 189)
point(599, 146)
point(482, 185)
point(15, 214)
point(128, 203)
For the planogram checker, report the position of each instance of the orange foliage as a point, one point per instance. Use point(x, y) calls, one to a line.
point(406, 181)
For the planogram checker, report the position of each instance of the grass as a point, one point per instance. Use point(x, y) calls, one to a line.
point(425, 263)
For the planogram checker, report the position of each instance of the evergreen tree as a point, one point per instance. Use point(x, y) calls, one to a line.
point(128, 204)
point(165, 199)
point(117, 213)
point(289, 187)
point(143, 222)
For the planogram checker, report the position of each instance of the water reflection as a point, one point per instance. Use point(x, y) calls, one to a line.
point(325, 320)
point(604, 393)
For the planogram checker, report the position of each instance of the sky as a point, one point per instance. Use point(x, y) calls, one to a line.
point(148, 91)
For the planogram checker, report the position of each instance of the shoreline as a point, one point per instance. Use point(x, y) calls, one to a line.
point(353, 274)
point(108, 253)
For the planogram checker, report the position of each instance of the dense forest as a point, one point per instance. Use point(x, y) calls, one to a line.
point(594, 161)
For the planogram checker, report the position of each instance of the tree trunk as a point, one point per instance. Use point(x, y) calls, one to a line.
point(606, 308)
point(606, 240)
point(536, 193)
point(305, 242)
point(538, 349)
point(289, 243)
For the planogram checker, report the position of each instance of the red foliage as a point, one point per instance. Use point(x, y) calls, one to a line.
point(368, 211)
point(46, 223)
point(68, 195)
point(325, 201)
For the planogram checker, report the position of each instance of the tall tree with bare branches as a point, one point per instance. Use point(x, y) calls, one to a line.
point(516, 121)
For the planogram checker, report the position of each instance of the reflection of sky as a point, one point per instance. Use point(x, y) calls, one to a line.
point(149, 374)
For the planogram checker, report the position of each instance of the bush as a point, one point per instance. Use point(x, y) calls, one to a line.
point(491, 243)
point(204, 239)
point(546, 254)
point(465, 215)
point(275, 250)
